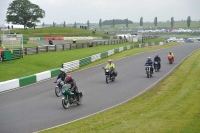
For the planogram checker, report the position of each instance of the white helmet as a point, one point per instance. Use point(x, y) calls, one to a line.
point(109, 60)
point(149, 58)
point(62, 70)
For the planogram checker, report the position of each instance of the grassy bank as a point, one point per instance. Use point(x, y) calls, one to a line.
point(170, 107)
point(54, 32)
point(32, 64)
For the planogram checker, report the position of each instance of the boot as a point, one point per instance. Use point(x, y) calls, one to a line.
point(77, 97)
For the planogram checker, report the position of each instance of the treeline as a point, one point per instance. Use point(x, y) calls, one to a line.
point(117, 21)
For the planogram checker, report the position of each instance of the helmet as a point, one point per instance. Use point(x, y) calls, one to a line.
point(109, 60)
point(157, 55)
point(149, 58)
point(62, 70)
point(68, 77)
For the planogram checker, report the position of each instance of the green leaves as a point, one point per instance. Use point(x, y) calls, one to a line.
point(24, 12)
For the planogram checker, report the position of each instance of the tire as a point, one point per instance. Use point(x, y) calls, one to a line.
point(156, 68)
point(65, 106)
point(80, 100)
point(148, 74)
point(58, 91)
point(107, 79)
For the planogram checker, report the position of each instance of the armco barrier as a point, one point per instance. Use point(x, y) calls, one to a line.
point(69, 66)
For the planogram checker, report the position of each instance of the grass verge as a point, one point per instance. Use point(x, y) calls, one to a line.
point(172, 106)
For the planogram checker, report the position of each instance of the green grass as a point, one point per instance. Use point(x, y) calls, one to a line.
point(32, 64)
point(159, 39)
point(172, 106)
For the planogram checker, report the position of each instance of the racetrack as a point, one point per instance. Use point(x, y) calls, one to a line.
point(36, 107)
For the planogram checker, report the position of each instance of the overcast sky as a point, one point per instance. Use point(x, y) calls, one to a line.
point(81, 11)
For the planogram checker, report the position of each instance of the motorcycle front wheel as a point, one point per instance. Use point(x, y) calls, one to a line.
point(65, 103)
point(107, 79)
point(57, 91)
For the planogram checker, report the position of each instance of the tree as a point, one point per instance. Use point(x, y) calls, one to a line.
point(88, 24)
point(172, 22)
point(155, 21)
point(113, 23)
point(100, 23)
point(188, 21)
point(24, 12)
point(141, 21)
point(54, 24)
point(75, 25)
point(127, 23)
point(64, 25)
point(43, 24)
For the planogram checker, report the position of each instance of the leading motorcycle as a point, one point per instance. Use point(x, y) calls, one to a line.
point(110, 75)
point(58, 87)
point(170, 59)
point(69, 97)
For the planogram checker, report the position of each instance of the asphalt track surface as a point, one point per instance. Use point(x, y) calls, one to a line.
point(36, 107)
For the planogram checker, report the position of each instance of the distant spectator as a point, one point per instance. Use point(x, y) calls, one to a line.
point(12, 27)
point(8, 27)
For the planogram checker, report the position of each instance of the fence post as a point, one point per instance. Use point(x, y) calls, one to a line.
point(70, 46)
point(37, 49)
point(76, 45)
point(82, 45)
point(55, 47)
point(26, 51)
point(63, 46)
point(108, 42)
point(47, 49)
point(104, 42)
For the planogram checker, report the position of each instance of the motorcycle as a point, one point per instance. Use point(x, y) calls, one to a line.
point(156, 66)
point(70, 98)
point(58, 87)
point(148, 71)
point(170, 59)
point(110, 76)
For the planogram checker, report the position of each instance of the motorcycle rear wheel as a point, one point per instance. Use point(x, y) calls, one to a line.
point(80, 100)
point(57, 91)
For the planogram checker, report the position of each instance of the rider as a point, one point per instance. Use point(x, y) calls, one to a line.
point(50, 42)
point(157, 59)
point(111, 66)
point(62, 75)
point(149, 62)
point(74, 88)
point(170, 53)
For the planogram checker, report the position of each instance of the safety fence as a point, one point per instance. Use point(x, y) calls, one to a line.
point(7, 55)
point(60, 47)
point(68, 66)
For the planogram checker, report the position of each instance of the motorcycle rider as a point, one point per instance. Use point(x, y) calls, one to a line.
point(50, 42)
point(111, 66)
point(150, 63)
point(171, 54)
point(74, 88)
point(62, 75)
point(157, 59)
